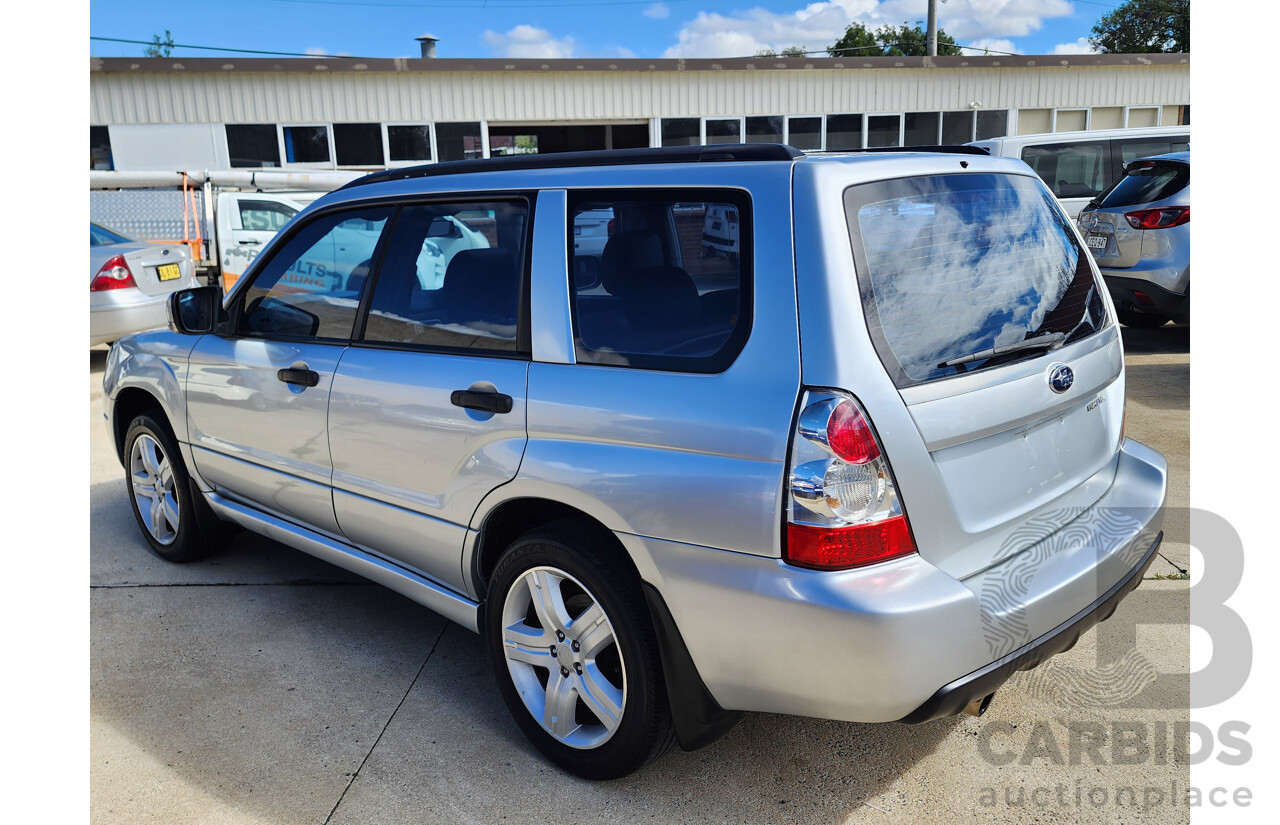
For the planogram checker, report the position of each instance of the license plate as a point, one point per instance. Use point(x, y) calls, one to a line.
point(168, 272)
point(1096, 241)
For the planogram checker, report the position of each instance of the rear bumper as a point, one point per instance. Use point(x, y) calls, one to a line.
point(903, 639)
point(951, 699)
point(109, 321)
point(1143, 295)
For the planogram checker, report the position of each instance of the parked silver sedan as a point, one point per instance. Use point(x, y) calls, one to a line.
point(1139, 232)
point(129, 282)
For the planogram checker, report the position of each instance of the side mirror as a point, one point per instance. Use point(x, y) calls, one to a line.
point(196, 311)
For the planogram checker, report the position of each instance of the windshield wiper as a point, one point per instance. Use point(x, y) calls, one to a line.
point(1046, 341)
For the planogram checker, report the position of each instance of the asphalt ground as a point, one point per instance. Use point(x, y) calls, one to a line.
point(263, 686)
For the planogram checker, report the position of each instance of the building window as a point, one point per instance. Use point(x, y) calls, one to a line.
point(681, 131)
point(1035, 121)
point(724, 131)
point(100, 148)
point(358, 144)
point(409, 143)
point(805, 133)
point(306, 144)
point(921, 129)
point(957, 128)
point(1107, 117)
point(992, 123)
point(252, 145)
point(884, 130)
point(844, 132)
point(459, 141)
point(763, 129)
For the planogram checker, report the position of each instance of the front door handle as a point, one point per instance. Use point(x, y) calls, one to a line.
point(299, 377)
point(494, 402)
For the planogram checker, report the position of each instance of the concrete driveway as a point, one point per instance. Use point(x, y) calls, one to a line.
point(262, 686)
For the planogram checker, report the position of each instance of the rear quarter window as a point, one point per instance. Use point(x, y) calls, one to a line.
point(951, 266)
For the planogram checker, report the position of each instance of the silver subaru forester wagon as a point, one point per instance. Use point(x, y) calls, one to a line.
point(865, 465)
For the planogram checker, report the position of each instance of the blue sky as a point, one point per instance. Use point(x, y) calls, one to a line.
point(575, 28)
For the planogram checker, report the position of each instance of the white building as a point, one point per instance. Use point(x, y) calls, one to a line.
point(336, 113)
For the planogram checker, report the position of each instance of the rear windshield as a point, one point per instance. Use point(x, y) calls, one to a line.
point(1147, 185)
point(953, 266)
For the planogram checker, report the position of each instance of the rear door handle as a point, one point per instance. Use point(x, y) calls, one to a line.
point(299, 377)
point(494, 402)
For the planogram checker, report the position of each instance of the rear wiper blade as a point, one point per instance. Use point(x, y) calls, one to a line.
point(1046, 341)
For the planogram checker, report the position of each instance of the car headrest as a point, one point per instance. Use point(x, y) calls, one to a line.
point(481, 285)
point(625, 253)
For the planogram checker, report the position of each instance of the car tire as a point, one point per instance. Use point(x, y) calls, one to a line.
point(177, 526)
point(1140, 320)
point(586, 645)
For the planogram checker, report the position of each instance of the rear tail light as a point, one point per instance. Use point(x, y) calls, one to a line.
point(843, 508)
point(114, 274)
point(1158, 218)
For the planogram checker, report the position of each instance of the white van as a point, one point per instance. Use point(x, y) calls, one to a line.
point(1079, 166)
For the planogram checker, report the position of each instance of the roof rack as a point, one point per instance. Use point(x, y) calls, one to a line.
point(944, 150)
point(607, 157)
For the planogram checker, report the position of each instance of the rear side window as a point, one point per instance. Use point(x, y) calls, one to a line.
point(953, 266)
point(1147, 185)
point(660, 278)
point(1071, 170)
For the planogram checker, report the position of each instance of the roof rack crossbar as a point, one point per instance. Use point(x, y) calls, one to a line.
point(607, 157)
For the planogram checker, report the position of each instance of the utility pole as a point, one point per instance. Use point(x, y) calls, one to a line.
point(931, 36)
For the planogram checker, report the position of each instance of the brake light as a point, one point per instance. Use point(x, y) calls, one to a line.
point(114, 274)
point(1158, 218)
point(843, 504)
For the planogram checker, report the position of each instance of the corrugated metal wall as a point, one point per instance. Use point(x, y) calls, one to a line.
point(523, 96)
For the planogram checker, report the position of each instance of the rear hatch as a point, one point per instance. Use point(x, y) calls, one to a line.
point(988, 317)
point(1113, 224)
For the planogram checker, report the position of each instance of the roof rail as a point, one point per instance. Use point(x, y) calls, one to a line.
point(607, 157)
point(945, 150)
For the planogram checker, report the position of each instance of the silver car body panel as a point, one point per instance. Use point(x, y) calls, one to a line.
point(688, 470)
point(114, 313)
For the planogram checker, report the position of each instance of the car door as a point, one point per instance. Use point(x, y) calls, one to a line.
point(258, 394)
point(427, 412)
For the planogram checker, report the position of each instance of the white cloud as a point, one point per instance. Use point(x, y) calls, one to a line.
point(996, 47)
point(316, 51)
point(530, 42)
point(1081, 46)
point(658, 11)
point(820, 24)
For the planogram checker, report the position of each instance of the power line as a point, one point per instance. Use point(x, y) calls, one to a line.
point(223, 49)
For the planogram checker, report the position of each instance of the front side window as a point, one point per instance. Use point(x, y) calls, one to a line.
point(967, 272)
point(452, 277)
point(264, 216)
point(661, 278)
point(311, 286)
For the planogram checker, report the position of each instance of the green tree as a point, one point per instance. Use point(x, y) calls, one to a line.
point(789, 51)
point(160, 48)
point(889, 41)
point(1144, 27)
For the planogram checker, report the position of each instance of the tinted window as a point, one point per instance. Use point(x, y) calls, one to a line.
point(952, 265)
point(311, 287)
point(844, 132)
point(724, 131)
point(251, 145)
point(306, 144)
point(1130, 148)
point(992, 124)
point(1148, 185)
point(358, 144)
point(957, 128)
point(100, 148)
point(921, 129)
point(409, 142)
point(101, 236)
point(882, 130)
point(671, 289)
point(680, 131)
point(451, 277)
point(805, 133)
point(1071, 170)
point(765, 129)
point(264, 216)
point(459, 141)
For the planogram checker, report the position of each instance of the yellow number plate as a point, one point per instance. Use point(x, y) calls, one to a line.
point(168, 272)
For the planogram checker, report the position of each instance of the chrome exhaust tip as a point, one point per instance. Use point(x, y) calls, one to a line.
point(979, 706)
